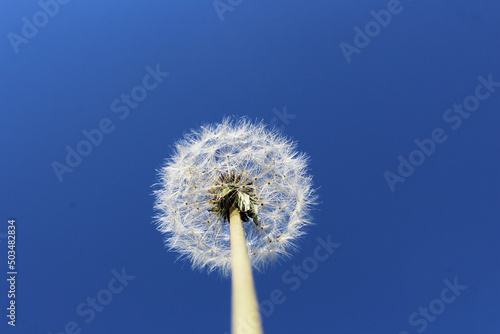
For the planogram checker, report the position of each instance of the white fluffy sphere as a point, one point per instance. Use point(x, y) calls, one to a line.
point(260, 166)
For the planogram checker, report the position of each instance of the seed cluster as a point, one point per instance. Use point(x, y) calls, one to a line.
point(233, 163)
point(234, 190)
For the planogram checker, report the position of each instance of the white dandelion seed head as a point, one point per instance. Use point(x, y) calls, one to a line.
point(246, 161)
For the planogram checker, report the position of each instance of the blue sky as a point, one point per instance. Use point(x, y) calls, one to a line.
point(399, 115)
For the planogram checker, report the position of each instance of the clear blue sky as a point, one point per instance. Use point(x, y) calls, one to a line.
point(360, 114)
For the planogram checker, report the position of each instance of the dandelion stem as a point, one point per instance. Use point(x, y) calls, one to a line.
point(246, 316)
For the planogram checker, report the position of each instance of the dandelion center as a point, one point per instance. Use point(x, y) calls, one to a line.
point(234, 190)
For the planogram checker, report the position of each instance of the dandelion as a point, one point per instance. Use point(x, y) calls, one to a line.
point(234, 195)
